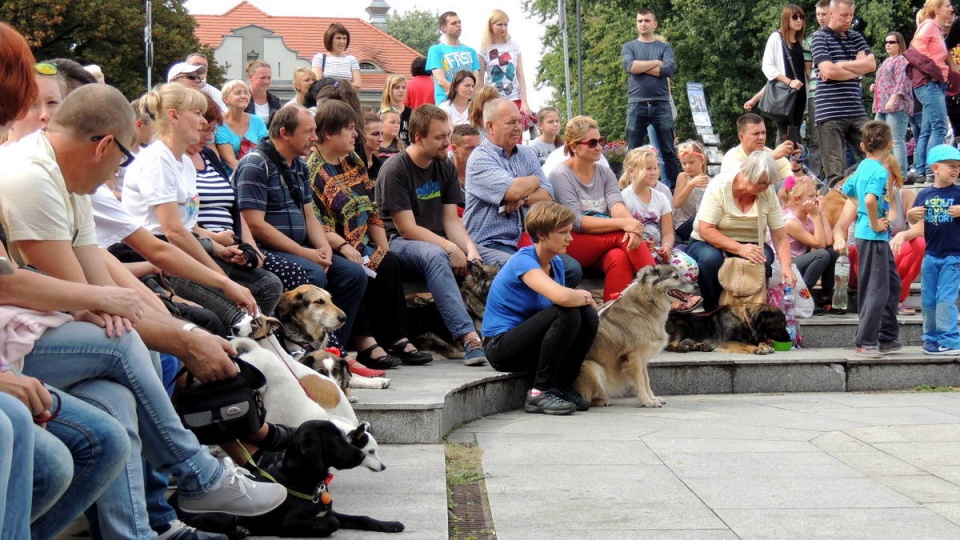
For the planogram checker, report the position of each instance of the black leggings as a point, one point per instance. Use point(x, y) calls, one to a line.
point(383, 312)
point(552, 344)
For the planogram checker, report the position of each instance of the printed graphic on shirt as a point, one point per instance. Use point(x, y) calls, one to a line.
point(192, 206)
point(429, 190)
point(938, 210)
point(503, 74)
point(457, 60)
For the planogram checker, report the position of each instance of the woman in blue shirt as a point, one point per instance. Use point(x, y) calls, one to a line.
point(534, 323)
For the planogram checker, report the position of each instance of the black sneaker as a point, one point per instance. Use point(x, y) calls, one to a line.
point(549, 402)
point(571, 395)
point(890, 347)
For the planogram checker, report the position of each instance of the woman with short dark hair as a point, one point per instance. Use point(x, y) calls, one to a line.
point(336, 63)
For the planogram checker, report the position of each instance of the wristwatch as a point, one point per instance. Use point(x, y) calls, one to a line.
point(526, 200)
point(189, 327)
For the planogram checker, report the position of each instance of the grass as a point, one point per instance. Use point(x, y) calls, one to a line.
point(928, 388)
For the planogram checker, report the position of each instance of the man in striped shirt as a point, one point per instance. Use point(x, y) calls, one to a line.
point(843, 57)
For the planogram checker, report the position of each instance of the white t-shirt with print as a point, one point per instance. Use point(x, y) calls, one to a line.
point(647, 213)
point(501, 68)
point(156, 177)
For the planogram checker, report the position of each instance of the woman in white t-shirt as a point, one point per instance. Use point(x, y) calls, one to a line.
point(336, 64)
point(457, 106)
point(160, 189)
point(500, 61)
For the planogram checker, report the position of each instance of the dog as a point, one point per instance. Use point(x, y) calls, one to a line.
point(304, 470)
point(631, 332)
point(737, 328)
point(426, 326)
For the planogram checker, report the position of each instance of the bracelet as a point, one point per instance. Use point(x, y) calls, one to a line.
point(189, 327)
point(338, 248)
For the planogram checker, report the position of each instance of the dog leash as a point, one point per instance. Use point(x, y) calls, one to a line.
point(318, 493)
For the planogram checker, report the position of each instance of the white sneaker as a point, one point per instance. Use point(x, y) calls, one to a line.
point(236, 494)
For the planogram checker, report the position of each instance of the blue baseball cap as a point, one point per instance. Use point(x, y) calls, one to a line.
point(942, 152)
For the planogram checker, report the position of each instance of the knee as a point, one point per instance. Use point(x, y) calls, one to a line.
point(822, 256)
point(434, 257)
point(589, 320)
point(351, 275)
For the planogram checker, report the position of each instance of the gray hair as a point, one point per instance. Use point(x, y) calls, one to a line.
point(230, 85)
point(758, 164)
point(491, 109)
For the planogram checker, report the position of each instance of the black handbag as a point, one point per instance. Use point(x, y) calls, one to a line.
point(221, 411)
point(778, 98)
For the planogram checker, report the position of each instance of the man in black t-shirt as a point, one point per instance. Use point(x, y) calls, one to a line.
point(417, 192)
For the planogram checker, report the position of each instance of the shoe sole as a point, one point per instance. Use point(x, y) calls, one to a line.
point(540, 410)
point(423, 362)
point(942, 353)
point(479, 361)
point(234, 513)
point(891, 351)
point(869, 356)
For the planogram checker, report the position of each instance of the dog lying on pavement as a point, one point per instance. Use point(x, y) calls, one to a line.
point(631, 332)
point(737, 328)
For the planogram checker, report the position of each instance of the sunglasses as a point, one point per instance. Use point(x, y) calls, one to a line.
point(592, 143)
point(128, 156)
point(191, 77)
point(45, 68)
point(894, 42)
point(387, 109)
point(797, 16)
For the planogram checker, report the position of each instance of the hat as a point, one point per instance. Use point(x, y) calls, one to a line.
point(942, 152)
point(181, 68)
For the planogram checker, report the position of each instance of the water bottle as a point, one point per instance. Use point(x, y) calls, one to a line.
point(841, 276)
point(790, 311)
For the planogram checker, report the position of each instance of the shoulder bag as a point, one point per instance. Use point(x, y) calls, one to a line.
point(778, 99)
point(743, 281)
point(221, 411)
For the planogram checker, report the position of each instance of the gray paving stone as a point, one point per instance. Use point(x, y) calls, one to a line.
point(795, 492)
point(619, 534)
point(595, 424)
point(950, 511)
point(950, 473)
point(841, 523)
point(923, 454)
point(891, 415)
point(519, 450)
point(665, 445)
point(757, 465)
point(875, 463)
point(733, 430)
point(838, 441)
point(917, 433)
point(923, 489)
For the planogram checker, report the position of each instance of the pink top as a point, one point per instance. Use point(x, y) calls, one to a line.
point(797, 248)
point(892, 79)
point(928, 41)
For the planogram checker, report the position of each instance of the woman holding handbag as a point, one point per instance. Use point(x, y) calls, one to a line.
point(728, 225)
point(783, 62)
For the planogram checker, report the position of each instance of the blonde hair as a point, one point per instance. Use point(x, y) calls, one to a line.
point(254, 65)
point(390, 110)
point(634, 160)
point(392, 81)
point(480, 99)
point(171, 96)
point(928, 10)
point(576, 129)
point(299, 75)
point(486, 38)
point(892, 165)
point(793, 188)
point(230, 86)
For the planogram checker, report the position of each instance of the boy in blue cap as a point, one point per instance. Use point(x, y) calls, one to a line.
point(936, 211)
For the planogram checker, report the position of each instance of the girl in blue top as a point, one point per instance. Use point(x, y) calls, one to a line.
point(534, 323)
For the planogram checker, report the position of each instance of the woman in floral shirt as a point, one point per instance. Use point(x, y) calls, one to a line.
point(893, 95)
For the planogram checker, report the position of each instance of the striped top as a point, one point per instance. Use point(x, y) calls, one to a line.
point(216, 199)
point(838, 99)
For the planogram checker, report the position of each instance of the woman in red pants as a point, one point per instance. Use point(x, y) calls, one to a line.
point(605, 234)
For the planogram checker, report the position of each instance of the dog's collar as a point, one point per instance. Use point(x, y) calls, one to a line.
point(318, 491)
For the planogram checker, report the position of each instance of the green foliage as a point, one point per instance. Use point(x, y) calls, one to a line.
point(717, 43)
point(417, 28)
point(108, 33)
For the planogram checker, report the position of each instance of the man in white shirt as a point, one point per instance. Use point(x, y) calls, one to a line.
point(752, 133)
point(199, 59)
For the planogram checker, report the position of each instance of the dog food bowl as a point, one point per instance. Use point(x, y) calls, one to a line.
point(782, 345)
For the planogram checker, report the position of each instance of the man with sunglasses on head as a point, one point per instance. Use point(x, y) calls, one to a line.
point(649, 63)
point(503, 179)
point(200, 59)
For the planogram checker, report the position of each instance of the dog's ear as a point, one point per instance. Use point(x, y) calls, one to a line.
point(477, 271)
point(271, 324)
point(358, 437)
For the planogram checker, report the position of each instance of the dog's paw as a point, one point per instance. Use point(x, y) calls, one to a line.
point(379, 382)
point(599, 402)
point(705, 347)
point(763, 348)
point(353, 399)
point(391, 527)
point(655, 403)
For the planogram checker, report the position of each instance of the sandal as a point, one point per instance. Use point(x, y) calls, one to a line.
point(408, 358)
point(381, 362)
point(904, 310)
point(361, 370)
point(692, 302)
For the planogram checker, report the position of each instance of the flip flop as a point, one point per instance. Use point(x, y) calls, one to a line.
point(687, 306)
point(359, 369)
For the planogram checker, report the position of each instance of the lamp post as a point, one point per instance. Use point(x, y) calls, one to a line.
point(148, 43)
point(566, 57)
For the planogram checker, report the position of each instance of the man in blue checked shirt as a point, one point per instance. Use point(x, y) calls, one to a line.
point(503, 180)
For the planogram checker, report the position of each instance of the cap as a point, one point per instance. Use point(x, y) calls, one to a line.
point(181, 68)
point(942, 152)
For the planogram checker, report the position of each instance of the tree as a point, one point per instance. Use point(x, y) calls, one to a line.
point(417, 28)
point(717, 43)
point(108, 33)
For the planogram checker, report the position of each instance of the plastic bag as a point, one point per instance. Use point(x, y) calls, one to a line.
point(775, 288)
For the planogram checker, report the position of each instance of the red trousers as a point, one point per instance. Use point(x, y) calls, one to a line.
point(908, 264)
point(609, 253)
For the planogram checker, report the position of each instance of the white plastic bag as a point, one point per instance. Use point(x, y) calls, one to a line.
point(800, 291)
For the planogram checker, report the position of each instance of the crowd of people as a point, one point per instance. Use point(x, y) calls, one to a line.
point(137, 234)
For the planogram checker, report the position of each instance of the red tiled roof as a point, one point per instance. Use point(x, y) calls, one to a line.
point(305, 36)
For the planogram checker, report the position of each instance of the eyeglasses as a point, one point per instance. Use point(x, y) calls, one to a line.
point(128, 159)
point(592, 143)
point(894, 42)
point(190, 76)
point(797, 16)
point(45, 68)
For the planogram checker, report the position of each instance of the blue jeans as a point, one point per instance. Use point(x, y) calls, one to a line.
point(119, 376)
point(344, 280)
point(82, 446)
point(941, 281)
point(500, 254)
point(16, 482)
point(430, 262)
point(658, 115)
point(652, 134)
point(898, 123)
point(933, 127)
point(709, 260)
